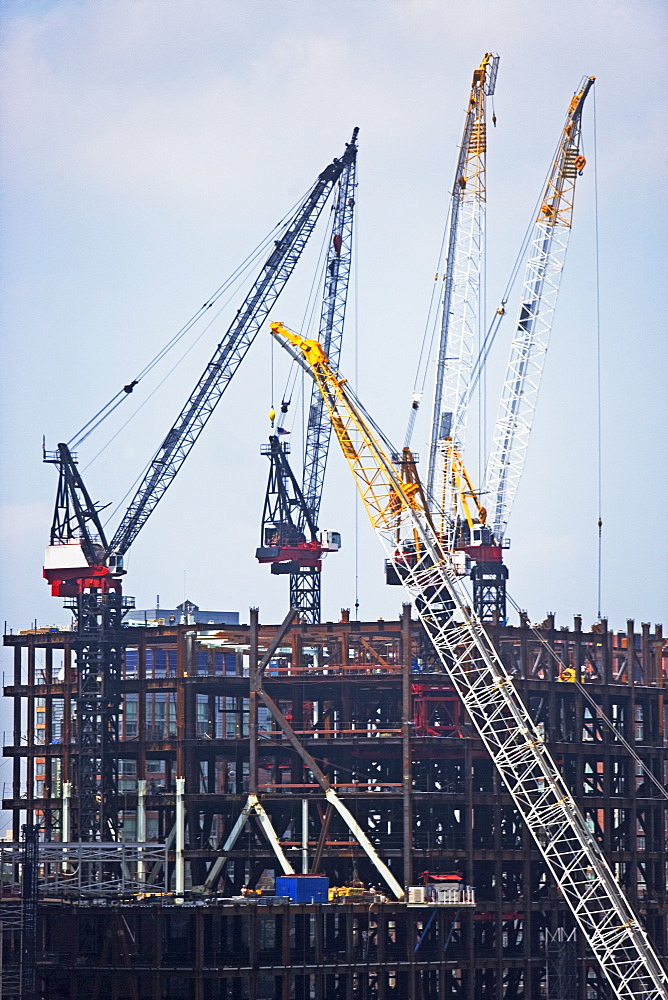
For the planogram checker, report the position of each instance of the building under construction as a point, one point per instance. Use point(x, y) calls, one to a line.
point(253, 717)
point(443, 806)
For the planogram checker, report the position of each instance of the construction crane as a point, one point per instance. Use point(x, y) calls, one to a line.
point(459, 309)
point(403, 523)
point(548, 245)
point(461, 287)
point(302, 560)
point(456, 377)
point(448, 483)
point(81, 566)
point(284, 544)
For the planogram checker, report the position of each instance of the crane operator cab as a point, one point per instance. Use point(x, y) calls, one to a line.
point(481, 534)
point(282, 533)
point(330, 541)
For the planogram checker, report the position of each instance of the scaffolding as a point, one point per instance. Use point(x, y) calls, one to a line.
point(362, 705)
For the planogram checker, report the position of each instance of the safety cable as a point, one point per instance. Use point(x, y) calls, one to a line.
point(356, 341)
point(237, 275)
point(599, 432)
point(599, 711)
point(501, 311)
point(480, 327)
point(158, 386)
point(307, 319)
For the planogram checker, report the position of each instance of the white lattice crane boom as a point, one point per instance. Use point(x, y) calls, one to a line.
point(397, 511)
point(461, 280)
point(549, 242)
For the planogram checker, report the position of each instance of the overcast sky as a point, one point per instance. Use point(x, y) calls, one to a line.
point(149, 146)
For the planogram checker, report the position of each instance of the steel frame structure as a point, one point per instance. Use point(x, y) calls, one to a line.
point(486, 689)
point(415, 775)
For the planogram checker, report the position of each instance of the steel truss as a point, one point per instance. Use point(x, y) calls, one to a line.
point(305, 593)
point(486, 689)
point(519, 395)
point(305, 582)
point(461, 291)
point(94, 869)
point(99, 651)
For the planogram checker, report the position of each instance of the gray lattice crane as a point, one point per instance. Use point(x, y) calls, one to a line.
point(291, 541)
point(81, 566)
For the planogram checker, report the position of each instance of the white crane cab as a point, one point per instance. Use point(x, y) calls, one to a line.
point(329, 541)
point(481, 534)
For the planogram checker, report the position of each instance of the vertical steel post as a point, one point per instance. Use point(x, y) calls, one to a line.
point(406, 724)
point(141, 827)
point(252, 701)
point(67, 815)
point(180, 839)
point(304, 836)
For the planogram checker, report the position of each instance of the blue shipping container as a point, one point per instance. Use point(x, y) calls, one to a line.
point(303, 888)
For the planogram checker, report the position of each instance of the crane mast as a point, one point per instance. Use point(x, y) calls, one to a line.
point(549, 242)
point(461, 290)
point(305, 581)
point(74, 567)
point(466, 652)
point(291, 513)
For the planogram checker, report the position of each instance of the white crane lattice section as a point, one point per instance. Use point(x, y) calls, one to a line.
point(549, 242)
point(525, 369)
point(461, 290)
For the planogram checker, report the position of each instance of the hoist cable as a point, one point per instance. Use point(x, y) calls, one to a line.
point(500, 312)
point(307, 318)
point(428, 335)
point(158, 386)
point(492, 330)
point(599, 447)
point(237, 275)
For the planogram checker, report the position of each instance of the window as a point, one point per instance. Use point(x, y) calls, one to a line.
point(130, 715)
point(131, 662)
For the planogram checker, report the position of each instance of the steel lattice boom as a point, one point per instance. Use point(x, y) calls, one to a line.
point(226, 359)
point(305, 582)
point(461, 290)
point(549, 242)
point(503, 722)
